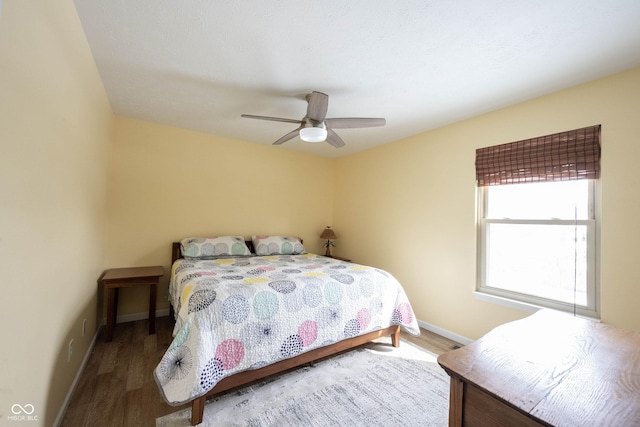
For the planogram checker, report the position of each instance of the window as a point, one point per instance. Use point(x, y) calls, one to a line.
point(537, 224)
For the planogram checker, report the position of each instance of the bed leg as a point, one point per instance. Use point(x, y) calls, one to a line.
point(395, 337)
point(197, 410)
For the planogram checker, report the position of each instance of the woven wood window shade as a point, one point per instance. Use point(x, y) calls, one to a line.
point(562, 156)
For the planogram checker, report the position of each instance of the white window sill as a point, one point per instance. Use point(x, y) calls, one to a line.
point(518, 305)
point(506, 302)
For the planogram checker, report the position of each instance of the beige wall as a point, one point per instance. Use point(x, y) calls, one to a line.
point(167, 184)
point(55, 130)
point(409, 206)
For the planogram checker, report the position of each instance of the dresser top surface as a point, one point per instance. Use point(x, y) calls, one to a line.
point(558, 368)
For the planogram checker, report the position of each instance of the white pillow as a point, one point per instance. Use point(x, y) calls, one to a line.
point(277, 245)
point(213, 247)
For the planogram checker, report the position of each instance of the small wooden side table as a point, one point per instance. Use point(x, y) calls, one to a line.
point(117, 278)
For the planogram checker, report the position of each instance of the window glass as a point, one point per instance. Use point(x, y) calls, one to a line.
point(540, 260)
point(547, 200)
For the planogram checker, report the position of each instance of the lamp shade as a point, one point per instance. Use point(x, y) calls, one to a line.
point(328, 233)
point(313, 134)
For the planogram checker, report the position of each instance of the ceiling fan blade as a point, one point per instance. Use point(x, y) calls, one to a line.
point(334, 139)
point(318, 104)
point(354, 122)
point(274, 119)
point(288, 136)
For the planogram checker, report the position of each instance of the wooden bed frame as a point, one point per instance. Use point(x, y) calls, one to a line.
point(246, 377)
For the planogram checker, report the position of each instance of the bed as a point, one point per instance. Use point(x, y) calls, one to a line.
point(246, 310)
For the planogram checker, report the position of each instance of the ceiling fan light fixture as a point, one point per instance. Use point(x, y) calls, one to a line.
point(313, 134)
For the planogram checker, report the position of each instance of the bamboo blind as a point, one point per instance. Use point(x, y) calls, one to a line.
point(563, 156)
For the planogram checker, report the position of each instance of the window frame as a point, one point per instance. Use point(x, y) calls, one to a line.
point(528, 302)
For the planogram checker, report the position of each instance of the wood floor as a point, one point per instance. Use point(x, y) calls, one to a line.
point(117, 388)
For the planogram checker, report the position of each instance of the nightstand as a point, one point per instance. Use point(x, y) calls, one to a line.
point(117, 278)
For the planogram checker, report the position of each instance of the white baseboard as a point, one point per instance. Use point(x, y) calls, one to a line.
point(74, 384)
point(137, 316)
point(140, 316)
point(445, 333)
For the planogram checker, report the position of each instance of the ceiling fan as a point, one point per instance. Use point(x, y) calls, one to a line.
point(315, 127)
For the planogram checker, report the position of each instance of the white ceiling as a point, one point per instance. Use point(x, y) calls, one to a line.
point(421, 64)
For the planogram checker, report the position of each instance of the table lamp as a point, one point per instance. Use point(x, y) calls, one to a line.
point(328, 234)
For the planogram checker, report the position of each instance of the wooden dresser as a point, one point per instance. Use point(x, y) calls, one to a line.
point(548, 369)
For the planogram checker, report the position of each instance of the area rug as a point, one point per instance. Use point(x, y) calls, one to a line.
point(374, 385)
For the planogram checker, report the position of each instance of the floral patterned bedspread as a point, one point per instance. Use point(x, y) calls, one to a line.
point(235, 314)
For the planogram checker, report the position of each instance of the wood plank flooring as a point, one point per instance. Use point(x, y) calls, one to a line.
point(117, 388)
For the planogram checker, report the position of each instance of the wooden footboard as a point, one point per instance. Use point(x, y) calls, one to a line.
point(246, 377)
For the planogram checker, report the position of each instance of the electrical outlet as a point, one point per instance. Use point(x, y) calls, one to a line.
point(70, 350)
point(84, 327)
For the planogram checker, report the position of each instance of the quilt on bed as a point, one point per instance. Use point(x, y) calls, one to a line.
point(235, 314)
